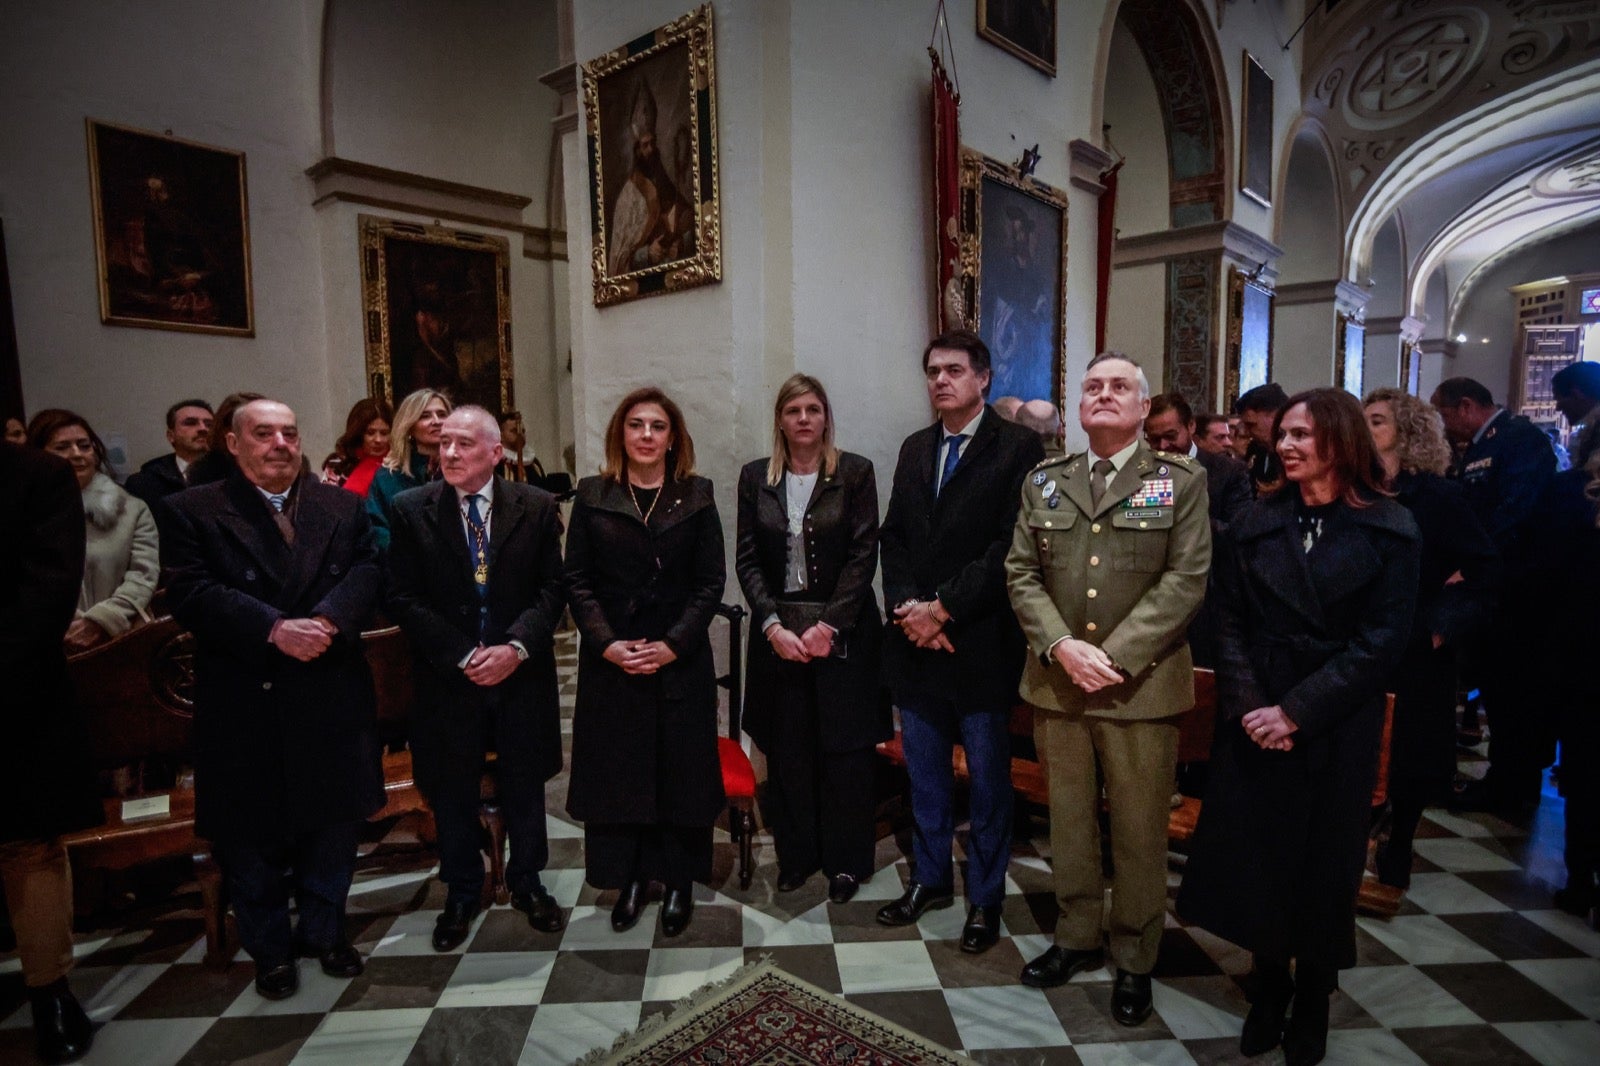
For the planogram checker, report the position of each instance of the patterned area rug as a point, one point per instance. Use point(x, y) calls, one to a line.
point(762, 1016)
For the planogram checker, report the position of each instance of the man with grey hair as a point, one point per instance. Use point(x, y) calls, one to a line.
point(1107, 565)
point(475, 580)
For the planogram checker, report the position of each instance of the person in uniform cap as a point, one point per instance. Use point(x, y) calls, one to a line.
point(1108, 564)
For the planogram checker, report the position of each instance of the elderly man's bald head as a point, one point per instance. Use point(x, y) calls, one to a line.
point(265, 440)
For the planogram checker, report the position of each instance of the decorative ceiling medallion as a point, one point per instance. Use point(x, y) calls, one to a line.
point(1578, 176)
point(1408, 73)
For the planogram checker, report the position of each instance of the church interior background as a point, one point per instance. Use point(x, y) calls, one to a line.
point(1409, 191)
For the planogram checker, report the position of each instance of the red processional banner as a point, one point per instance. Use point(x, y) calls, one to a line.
point(949, 312)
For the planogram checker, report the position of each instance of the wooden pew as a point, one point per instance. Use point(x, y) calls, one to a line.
point(137, 693)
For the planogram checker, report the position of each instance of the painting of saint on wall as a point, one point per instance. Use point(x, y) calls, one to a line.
point(171, 228)
point(652, 119)
point(1014, 236)
point(1025, 28)
point(438, 312)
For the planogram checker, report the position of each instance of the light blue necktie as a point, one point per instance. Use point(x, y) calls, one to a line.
point(952, 456)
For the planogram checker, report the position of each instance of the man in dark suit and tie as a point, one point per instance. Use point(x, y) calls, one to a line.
point(953, 654)
point(189, 433)
point(276, 575)
point(476, 582)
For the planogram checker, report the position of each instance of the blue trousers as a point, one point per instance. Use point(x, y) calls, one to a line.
point(316, 867)
point(930, 727)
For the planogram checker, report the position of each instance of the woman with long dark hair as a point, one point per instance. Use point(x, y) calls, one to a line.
point(1460, 575)
point(1317, 585)
point(807, 550)
point(360, 452)
point(645, 574)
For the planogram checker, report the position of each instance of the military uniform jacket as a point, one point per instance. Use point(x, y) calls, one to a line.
point(1503, 472)
point(1126, 576)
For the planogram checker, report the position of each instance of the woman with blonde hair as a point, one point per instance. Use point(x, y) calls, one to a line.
point(645, 574)
point(413, 455)
point(807, 550)
point(1460, 574)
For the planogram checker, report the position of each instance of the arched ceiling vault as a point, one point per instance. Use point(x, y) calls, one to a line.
point(1474, 121)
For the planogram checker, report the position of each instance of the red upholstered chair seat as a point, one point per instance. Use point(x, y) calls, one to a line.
point(738, 776)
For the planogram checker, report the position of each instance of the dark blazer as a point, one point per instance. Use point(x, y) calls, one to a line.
point(954, 546)
point(841, 538)
point(1228, 483)
point(1503, 472)
point(156, 480)
point(432, 596)
point(1423, 746)
point(46, 787)
point(281, 746)
point(1279, 850)
point(644, 748)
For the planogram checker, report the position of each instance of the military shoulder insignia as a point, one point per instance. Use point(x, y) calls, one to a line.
point(1039, 478)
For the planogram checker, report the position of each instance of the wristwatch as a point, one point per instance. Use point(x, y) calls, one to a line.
point(522, 653)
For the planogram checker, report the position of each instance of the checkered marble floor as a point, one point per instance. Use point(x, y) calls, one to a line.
point(1477, 967)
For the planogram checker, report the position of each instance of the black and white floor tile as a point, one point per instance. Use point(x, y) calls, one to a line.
point(1477, 968)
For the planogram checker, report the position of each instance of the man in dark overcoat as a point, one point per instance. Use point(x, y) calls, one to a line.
point(953, 652)
point(46, 787)
point(276, 575)
point(1507, 463)
point(475, 581)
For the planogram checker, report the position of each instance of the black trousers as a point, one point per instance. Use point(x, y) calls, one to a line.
point(314, 867)
point(619, 854)
point(1580, 784)
point(1521, 737)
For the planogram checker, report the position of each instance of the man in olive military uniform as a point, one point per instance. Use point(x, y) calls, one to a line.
point(1107, 565)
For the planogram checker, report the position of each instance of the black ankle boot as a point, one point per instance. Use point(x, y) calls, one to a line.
point(1269, 1004)
point(62, 1031)
point(1305, 1040)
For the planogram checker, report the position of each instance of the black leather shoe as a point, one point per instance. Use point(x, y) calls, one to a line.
point(1305, 1040)
point(842, 888)
point(791, 882)
point(1057, 966)
point(452, 926)
point(630, 902)
point(277, 982)
point(1575, 899)
point(982, 930)
point(1130, 998)
point(917, 900)
point(677, 907)
point(341, 960)
point(61, 1031)
point(1269, 1005)
point(542, 911)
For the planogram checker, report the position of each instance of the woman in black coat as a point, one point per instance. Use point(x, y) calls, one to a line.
point(1317, 585)
point(645, 575)
point(807, 550)
point(1460, 578)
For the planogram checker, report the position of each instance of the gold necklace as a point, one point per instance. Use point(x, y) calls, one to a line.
point(643, 514)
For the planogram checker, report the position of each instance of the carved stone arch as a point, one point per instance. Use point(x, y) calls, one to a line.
point(1180, 49)
point(1306, 133)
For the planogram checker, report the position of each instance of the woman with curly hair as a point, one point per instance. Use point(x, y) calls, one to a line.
point(1460, 575)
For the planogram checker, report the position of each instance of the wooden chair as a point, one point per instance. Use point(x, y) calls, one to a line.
point(738, 776)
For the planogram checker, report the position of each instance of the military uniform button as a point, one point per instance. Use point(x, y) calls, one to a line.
point(1144, 525)
point(1044, 542)
point(1091, 627)
point(1093, 594)
point(1095, 528)
point(266, 686)
point(1047, 525)
point(1094, 560)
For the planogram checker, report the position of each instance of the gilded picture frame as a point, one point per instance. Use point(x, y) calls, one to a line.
point(436, 312)
point(171, 232)
point(1255, 133)
point(650, 109)
point(1250, 319)
point(1013, 276)
point(1025, 28)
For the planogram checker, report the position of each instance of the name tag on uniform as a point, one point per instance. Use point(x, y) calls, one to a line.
point(1143, 512)
point(1155, 492)
point(1481, 464)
